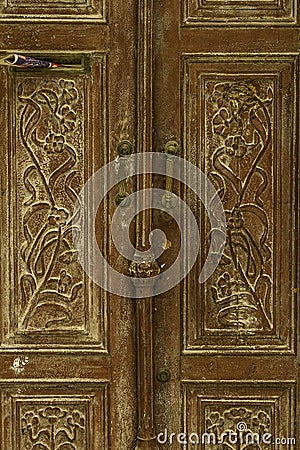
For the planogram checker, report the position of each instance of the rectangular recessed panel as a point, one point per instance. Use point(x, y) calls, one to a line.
point(236, 416)
point(239, 116)
point(43, 417)
point(53, 147)
point(52, 10)
point(239, 12)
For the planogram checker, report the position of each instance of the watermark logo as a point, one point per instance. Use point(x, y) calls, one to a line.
point(242, 426)
point(94, 192)
point(241, 437)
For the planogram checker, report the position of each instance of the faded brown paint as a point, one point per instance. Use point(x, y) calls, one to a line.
point(67, 368)
point(152, 74)
point(229, 350)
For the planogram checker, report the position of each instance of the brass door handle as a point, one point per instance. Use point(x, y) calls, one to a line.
point(171, 149)
point(169, 199)
point(124, 149)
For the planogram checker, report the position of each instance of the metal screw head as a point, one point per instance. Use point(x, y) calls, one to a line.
point(172, 148)
point(163, 375)
point(125, 148)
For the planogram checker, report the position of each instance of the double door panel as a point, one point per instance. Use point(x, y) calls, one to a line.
point(230, 343)
point(224, 79)
point(67, 346)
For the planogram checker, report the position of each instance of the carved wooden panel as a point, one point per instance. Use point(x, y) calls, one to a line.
point(49, 418)
point(239, 12)
point(52, 152)
point(53, 10)
point(239, 416)
point(240, 121)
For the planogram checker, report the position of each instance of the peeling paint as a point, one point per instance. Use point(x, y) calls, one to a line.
point(19, 364)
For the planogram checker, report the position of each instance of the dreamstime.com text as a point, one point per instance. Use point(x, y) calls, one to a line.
point(229, 437)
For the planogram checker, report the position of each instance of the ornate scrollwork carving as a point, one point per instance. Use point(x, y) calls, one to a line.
point(240, 115)
point(238, 427)
point(56, 427)
point(144, 269)
point(49, 164)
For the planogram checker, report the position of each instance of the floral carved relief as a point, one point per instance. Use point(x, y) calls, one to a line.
point(240, 145)
point(238, 427)
point(56, 427)
point(49, 168)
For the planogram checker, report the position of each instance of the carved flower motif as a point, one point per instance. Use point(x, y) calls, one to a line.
point(214, 421)
point(54, 143)
point(52, 414)
point(217, 96)
point(68, 121)
point(262, 421)
point(241, 96)
point(224, 124)
point(238, 415)
point(225, 284)
point(64, 282)
point(30, 420)
point(144, 269)
point(76, 420)
point(58, 217)
point(235, 146)
point(69, 90)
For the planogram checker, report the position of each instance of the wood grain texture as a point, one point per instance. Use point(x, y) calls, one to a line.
point(99, 102)
point(223, 63)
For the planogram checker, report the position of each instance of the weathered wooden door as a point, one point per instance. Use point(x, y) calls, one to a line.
point(67, 364)
point(84, 369)
point(225, 87)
